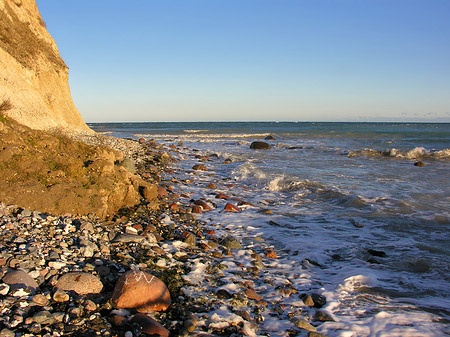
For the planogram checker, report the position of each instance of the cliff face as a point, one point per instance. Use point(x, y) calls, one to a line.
point(33, 77)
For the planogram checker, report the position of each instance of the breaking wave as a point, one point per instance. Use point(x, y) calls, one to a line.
point(416, 153)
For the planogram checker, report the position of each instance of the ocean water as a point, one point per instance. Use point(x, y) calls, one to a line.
point(350, 210)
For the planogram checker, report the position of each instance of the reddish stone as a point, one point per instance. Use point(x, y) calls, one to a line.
point(141, 291)
point(162, 191)
point(199, 167)
point(149, 326)
point(197, 209)
point(210, 232)
point(173, 207)
point(118, 320)
point(244, 203)
point(222, 196)
point(270, 254)
point(203, 204)
point(251, 294)
point(142, 140)
point(231, 208)
point(211, 185)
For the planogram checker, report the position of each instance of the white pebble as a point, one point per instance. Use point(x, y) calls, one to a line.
point(128, 334)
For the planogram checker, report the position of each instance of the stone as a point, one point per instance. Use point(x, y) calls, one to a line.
point(307, 300)
point(17, 279)
point(141, 291)
point(223, 294)
point(149, 326)
point(125, 238)
point(323, 316)
point(197, 209)
point(4, 289)
point(270, 253)
point(316, 334)
point(7, 333)
point(44, 318)
point(89, 305)
point(199, 167)
point(40, 300)
point(189, 238)
point(162, 191)
point(222, 196)
point(260, 146)
point(319, 300)
point(230, 242)
point(211, 186)
point(302, 324)
point(419, 164)
point(81, 283)
point(203, 205)
point(378, 253)
point(251, 294)
point(231, 208)
point(60, 296)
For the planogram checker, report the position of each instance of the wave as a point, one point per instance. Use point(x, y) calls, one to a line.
point(198, 134)
point(196, 131)
point(416, 153)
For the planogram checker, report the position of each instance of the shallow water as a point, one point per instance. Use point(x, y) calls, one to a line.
point(340, 194)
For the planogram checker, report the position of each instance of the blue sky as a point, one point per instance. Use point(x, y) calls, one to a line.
point(256, 60)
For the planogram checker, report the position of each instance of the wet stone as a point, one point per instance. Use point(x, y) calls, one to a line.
point(231, 242)
point(44, 318)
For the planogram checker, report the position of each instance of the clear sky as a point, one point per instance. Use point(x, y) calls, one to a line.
point(255, 60)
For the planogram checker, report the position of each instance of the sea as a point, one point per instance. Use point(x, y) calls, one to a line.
point(360, 209)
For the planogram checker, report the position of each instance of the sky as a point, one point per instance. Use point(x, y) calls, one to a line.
point(255, 60)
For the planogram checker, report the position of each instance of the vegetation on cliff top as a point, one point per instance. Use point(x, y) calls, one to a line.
point(20, 41)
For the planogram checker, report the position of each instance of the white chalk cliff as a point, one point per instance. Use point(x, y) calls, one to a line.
point(33, 77)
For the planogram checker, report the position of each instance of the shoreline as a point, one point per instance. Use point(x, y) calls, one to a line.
point(217, 288)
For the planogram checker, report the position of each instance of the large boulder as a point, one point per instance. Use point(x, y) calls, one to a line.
point(141, 291)
point(17, 279)
point(259, 146)
point(81, 283)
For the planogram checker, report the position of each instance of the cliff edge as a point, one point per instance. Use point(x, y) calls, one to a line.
point(33, 77)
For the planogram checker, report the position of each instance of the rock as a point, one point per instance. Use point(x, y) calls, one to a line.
point(222, 196)
point(307, 300)
point(41, 300)
point(7, 333)
point(199, 167)
point(269, 137)
point(189, 238)
point(302, 324)
point(223, 294)
point(162, 191)
point(323, 316)
point(231, 208)
point(4, 289)
point(319, 300)
point(81, 283)
point(149, 326)
point(259, 146)
point(251, 294)
point(89, 305)
point(197, 209)
point(211, 186)
point(316, 334)
point(270, 253)
point(378, 253)
point(203, 205)
point(419, 164)
point(17, 279)
point(60, 296)
point(44, 318)
point(150, 191)
point(141, 291)
point(230, 242)
point(129, 238)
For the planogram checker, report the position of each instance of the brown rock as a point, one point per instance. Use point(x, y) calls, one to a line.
point(149, 326)
point(142, 291)
point(270, 253)
point(81, 283)
point(222, 196)
point(211, 185)
point(17, 279)
point(118, 321)
point(251, 294)
point(197, 209)
point(199, 167)
point(203, 204)
point(231, 208)
point(259, 146)
point(150, 191)
point(162, 191)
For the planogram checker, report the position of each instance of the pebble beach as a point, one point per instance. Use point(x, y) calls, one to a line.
point(60, 274)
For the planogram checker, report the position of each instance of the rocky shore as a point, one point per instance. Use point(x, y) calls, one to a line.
point(162, 270)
